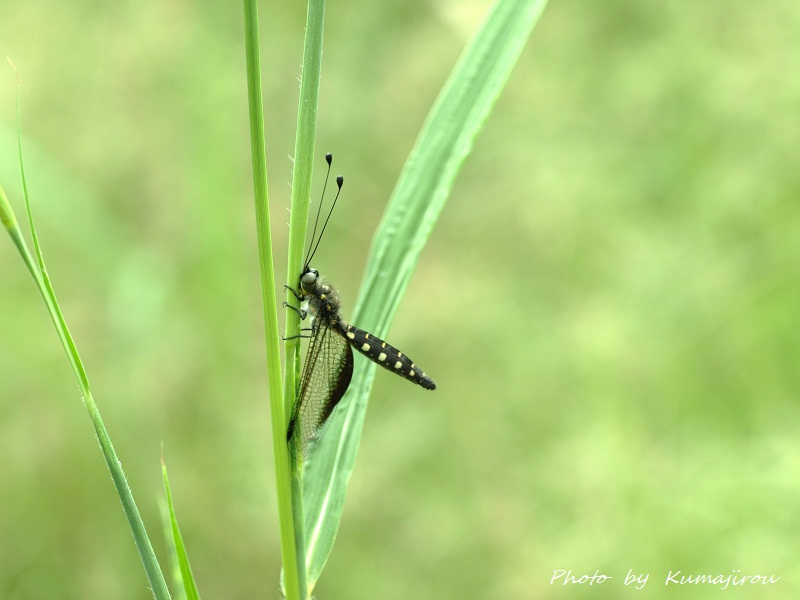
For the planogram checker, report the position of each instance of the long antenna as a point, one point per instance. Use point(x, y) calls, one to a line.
point(339, 183)
point(329, 160)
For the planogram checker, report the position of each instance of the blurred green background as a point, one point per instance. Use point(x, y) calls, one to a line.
point(609, 304)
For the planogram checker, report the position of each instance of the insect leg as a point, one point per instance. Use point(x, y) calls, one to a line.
point(299, 335)
point(300, 312)
point(296, 295)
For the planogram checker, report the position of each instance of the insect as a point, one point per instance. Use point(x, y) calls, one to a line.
point(329, 361)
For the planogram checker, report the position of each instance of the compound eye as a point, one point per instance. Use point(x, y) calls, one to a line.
point(309, 278)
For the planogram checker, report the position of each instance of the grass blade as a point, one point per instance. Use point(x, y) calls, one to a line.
point(38, 271)
point(418, 198)
point(301, 191)
point(187, 578)
point(294, 567)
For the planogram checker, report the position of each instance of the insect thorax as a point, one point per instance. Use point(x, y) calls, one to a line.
point(323, 301)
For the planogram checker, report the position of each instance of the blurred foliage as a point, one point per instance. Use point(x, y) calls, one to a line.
point(608, 306)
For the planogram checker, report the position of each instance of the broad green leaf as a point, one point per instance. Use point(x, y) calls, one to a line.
point(416, 203)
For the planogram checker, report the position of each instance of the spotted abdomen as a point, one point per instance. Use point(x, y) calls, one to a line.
point(385, 355)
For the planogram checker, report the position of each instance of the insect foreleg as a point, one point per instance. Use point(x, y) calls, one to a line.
point(294, 292)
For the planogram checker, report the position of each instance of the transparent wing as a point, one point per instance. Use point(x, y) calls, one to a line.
point(325, 378)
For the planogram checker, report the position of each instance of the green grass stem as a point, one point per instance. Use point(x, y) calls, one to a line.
point(294, 569)
point(301, 193)
point(38, 271)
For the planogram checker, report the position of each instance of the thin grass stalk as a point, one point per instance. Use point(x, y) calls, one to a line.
point(293, 562)
point(301, 193)
point(38, 271)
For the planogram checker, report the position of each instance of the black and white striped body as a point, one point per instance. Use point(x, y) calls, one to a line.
point(329, 361)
